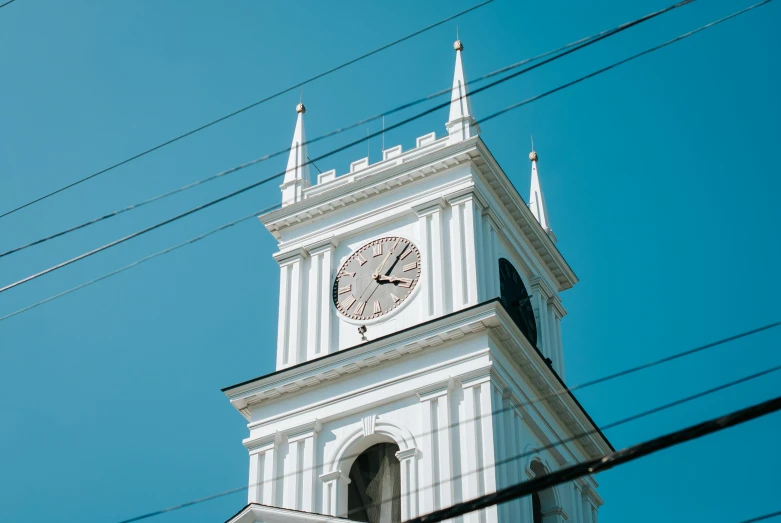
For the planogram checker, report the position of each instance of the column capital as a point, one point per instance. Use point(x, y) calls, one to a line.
point(429, 207)
point(319, 246)
point(334, 475)
point(290, 256)
point(465, 195)
point(409, 453)
point(540, 286)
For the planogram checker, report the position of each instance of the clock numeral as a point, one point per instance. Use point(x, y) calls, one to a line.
point(395, 244)
point(348, 302)
point(377, 249)
point(360, 258)
point(395, 298)
point(377, 307)
point(410, 267)
point(346, 288)
point(359, 308)
point(348, 273)
point(405, 282)
point(406, 253)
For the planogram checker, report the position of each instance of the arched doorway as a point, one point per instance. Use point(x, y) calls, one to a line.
point(374, 492)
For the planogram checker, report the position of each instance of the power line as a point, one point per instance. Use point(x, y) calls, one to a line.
point(762, 518)
point(245, 108)
point(139, 262)
point(638, 55)
point(8, 2)
point(607, 462)
point(609, 426)
point(82, 256)
point(499, 463)
point(308, 142)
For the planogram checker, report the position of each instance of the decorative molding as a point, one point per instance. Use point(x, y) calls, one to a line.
point(424, 209)
point(320, 246)
point(334, 475)
point(408, 454)
point(464, 195)
point(290, 256)
point(369, 424)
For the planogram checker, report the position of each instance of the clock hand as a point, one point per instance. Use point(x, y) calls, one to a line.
point(379, 269)
point(384, 261)
point(397, 260)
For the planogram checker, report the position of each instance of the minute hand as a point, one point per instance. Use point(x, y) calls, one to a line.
point(379, 269)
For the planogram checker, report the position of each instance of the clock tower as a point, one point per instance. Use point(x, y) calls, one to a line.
point(418, 355)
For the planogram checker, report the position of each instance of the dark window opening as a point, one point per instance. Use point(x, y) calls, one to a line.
point(516, 300)
point(374, 492)
point(536, 508)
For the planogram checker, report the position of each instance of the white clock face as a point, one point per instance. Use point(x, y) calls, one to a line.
point(377, 278)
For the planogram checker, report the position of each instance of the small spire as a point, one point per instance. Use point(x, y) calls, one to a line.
point(461, 124)
point(536, 199)
point(297, 172)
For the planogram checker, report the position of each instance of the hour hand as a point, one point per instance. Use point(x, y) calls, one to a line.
point(391, 279)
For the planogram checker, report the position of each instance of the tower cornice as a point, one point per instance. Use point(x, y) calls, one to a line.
point(431, 158)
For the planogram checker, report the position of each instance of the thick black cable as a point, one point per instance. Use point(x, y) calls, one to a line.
point(587, 433)
point(511, 458)
point(607, 462)
point(762, 518)
point(308, 142)
point(620, 28)
point(245, 108)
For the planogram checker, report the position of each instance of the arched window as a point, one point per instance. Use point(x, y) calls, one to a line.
point(374, 493)
point(544, 503)
point(516, 300)
point(536, 508)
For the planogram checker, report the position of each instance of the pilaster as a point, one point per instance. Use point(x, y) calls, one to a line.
point(319, 321)
point(335, 493)
point(431, 240)
point(290, 325)
point(465, 240)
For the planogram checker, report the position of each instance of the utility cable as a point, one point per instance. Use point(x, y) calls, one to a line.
point(245, 108)
point(607, 462)
point(8, 2)
point(762, 518)
point(87, 254)
point(532, 452)
point(142, 260)
point(308, 142)
point(455, 478)
point(612, 66)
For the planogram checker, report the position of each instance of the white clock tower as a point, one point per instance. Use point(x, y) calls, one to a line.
point(419, 342)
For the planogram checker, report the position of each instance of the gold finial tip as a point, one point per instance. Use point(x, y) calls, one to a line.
point(533, 156)
point(458, 46)
point(300, 108)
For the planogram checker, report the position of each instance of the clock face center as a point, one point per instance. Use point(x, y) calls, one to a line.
point(377, 278)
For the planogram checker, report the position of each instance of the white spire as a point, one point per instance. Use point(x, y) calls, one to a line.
point(297, 173)
point(461, 124)
point(536, 199)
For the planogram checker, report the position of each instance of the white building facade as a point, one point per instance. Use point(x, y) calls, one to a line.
point(419, 358)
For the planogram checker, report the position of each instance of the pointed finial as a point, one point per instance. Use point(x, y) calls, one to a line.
point(461, 124)
point(300, 108)
point(533, 155)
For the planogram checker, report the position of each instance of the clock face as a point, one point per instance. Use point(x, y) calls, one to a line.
point(377, 278)
point(516, 300)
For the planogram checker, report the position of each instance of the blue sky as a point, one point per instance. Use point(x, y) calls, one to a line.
point(661, 178)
